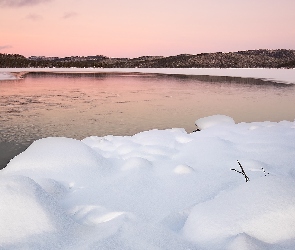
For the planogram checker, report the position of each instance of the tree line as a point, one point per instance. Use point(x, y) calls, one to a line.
point(241, 59)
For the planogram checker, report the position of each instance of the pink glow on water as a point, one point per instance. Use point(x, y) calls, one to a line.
point(77, 106)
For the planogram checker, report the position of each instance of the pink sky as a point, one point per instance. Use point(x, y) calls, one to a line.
point(132, 28)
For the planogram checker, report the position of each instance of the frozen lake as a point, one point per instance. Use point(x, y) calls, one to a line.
point(78, 105)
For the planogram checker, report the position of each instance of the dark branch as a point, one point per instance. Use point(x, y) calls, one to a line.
point(242, 172)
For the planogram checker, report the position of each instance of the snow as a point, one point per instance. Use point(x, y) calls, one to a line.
point(276, 75)
point(6, 75)
point(158, 189)
point(264, 209)
point(214, 120)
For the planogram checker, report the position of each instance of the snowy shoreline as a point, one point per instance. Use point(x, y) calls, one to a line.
point(276, 75)
point(159, 189)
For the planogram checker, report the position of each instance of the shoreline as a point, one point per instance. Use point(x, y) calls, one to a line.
point(168, 180)
point(12, 149)
point(286, 76)
point(15, 148)
point(19, 75)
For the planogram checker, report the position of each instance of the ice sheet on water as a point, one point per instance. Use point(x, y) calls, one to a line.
point(7, 76)
point(159, 189)
point(276, 75)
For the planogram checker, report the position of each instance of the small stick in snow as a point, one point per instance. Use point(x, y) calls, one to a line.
point(242, 172)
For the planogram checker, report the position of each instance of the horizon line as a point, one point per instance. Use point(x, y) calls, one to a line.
point(148, 55)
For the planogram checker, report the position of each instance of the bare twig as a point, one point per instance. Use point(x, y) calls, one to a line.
point(242, 171)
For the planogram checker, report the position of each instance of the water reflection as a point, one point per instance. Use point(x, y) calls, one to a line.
point(78, 105)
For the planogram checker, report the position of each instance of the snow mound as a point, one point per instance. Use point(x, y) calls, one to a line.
point(214, 120)
point(28, 212)
point(183, 169)
point(246, 242)
point(263, 208)
point(159, 189)
point(53, 157)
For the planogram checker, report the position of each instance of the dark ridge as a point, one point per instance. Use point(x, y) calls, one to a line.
point(290, 64)
point(261, 58)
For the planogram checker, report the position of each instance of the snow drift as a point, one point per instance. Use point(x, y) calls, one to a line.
point(155, 190)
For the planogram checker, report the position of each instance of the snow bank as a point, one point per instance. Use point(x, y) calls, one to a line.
point(159, 189)
point(30, 217)
point(263, 209)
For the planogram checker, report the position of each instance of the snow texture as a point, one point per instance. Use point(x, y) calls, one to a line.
point(158, 189)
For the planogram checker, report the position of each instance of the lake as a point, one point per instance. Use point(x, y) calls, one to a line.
point(78, 105)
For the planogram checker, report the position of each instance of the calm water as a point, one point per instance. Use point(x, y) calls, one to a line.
point(80, 105)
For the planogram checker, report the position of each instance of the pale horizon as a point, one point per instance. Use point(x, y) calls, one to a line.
point(132, 28)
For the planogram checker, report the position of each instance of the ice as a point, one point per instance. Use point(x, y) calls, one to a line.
point(158, 189)
point(276, 75)
point(7, 76)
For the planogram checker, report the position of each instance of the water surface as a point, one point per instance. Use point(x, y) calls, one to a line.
point(78, 105)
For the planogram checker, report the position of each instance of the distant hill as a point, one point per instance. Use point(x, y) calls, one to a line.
point(290, 64)
point(13, 61)
point(261, 58)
